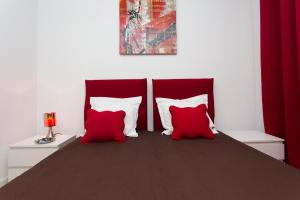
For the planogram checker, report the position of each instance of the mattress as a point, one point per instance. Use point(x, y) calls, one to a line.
point(153, 166)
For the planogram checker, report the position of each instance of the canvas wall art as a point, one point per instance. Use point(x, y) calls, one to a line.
point(148, 27)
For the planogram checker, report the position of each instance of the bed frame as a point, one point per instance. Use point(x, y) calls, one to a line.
point(120, 88)
point(181, 89)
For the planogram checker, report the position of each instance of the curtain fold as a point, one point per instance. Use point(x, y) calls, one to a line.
point(280, 72)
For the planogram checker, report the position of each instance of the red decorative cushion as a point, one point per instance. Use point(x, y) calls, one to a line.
point(104, 126)
point(190, 123)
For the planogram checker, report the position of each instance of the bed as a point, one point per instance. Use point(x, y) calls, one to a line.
point(153, 166)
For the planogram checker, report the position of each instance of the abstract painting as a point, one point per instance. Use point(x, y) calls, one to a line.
point(148, 27)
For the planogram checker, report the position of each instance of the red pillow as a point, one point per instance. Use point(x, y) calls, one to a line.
point(190, 123)
point(104, 126)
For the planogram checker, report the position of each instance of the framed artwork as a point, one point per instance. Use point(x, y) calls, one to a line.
point(148, 27)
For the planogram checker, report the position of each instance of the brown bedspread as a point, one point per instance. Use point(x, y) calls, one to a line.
point(156, 168)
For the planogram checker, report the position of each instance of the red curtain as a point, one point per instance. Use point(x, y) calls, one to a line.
point(280, 72)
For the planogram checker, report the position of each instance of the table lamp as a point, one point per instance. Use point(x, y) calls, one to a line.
point(50, 121)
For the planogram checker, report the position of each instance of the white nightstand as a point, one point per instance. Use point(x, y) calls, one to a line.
point(268, 144)
point(25, 154)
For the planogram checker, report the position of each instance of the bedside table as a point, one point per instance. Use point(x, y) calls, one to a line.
point(25, 154)
point(265, 143)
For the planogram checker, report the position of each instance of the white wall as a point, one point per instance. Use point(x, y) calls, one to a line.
point(257, 64)
point(17, 74)
point(78, 40)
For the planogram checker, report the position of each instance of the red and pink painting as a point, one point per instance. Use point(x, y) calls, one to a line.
point(148, 27)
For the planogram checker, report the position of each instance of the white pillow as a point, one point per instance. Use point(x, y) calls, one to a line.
point(129, 105)
point(164, 104)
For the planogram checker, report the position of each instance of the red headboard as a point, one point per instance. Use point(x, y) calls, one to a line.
point(119, 89)
point(181, 89)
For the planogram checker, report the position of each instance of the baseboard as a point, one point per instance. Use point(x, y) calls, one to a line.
point(3, 181)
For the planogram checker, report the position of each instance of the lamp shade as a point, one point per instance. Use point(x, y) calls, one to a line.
point(49, 119)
